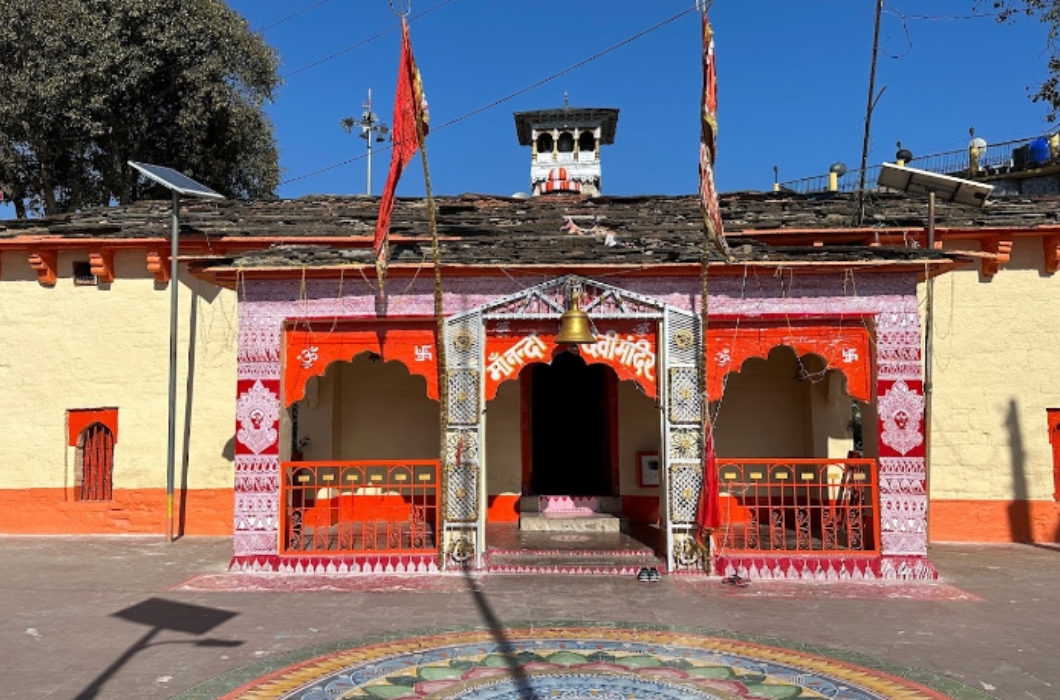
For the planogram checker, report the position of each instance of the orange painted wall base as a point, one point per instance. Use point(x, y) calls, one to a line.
point(131, 512)
point(994, 521)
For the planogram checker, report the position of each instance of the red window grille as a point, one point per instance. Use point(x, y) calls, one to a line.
point(371, 506)
point(96, 455)
point(799, 505)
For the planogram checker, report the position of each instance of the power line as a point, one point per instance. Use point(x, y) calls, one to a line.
point(510, 96)
point(361, 43)
point(304, 10)
point(945, 18)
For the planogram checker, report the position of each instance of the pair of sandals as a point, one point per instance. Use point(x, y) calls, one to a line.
point(649, 574)
point(736, 580)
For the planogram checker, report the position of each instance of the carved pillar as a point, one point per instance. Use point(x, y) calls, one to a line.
point(903, 496)
point(463, 473)
point(257, 441)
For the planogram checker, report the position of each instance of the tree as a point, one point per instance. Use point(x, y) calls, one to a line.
point(1047, 12)
point(87, 85)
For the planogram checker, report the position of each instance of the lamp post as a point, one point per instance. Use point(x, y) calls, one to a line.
point(372, 130)
point(177, 183)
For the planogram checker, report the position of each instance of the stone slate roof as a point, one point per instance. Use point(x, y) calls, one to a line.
point(481, 229)
point(570, 251)
point(484, 215)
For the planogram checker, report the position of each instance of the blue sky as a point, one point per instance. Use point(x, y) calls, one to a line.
point(792, 86)
point(792, 81)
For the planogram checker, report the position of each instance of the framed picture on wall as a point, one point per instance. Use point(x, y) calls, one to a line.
point(648, 469)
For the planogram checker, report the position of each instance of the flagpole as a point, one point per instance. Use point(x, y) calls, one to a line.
point(439, 314)
point(707, 517)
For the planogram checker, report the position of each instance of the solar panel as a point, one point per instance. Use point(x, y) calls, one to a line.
point(176, 181)
point(945, 187)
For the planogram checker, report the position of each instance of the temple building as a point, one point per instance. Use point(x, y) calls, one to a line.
point(309, 419)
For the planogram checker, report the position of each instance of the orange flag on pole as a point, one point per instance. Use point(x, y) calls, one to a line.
point(708, 194)
point(410, 106)
point(708, 516)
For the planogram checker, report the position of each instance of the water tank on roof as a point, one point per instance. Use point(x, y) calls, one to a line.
point(1038, 153)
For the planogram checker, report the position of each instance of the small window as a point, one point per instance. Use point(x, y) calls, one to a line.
point(95, 457)
point(83, 276)
point(566, 142)
point(586, 141)
point(544, 143)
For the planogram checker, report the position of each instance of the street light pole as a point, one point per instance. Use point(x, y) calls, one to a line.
point(174, 293)
point(372, 130)
point(178, 184)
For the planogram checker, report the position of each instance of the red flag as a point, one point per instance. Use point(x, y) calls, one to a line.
point(708, 194)
point(708, 515)
point(409, 105)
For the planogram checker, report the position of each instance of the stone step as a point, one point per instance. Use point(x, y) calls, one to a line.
point(596, 504)
point(589, 564)
point(571, 570)
point(601, 522)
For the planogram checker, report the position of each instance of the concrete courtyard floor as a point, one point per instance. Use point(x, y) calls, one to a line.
point(112, 617)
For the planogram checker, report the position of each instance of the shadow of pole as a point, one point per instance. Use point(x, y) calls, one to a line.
point(504, 644)
point(161, 615)
point(1019, 513)
point(189, 395)
point(93, 688)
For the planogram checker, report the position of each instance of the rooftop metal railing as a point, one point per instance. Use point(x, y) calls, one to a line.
point(998, 159)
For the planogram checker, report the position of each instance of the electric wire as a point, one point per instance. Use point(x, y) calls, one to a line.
point(368, 40)
point(291, 16)
point(506, 98)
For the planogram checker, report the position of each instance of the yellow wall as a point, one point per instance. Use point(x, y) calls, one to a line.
point(830, 411)
point(996, 370)
point(762, 412)
point(504, 465)
point(316, 416)
point(383, 412)
point(639, 426)
point(68, 347)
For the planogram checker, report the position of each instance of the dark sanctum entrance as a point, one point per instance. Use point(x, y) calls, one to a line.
point(571, 424)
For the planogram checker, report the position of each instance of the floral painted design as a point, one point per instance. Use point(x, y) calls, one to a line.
point(573, 663)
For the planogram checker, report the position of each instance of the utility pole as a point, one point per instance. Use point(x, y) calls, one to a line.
point(868, 114)
point(372, 130)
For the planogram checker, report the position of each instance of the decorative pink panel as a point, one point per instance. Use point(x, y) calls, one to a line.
point(887, 304)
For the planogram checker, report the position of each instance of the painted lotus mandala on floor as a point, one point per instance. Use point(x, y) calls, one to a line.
point(572, 663)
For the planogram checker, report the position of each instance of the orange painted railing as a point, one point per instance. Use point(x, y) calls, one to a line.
point(799, 506)
point(372, 506)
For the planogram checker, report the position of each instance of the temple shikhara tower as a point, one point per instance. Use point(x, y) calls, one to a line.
point(565, 147)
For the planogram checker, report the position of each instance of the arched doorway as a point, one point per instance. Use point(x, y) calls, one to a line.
point(572, 427)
